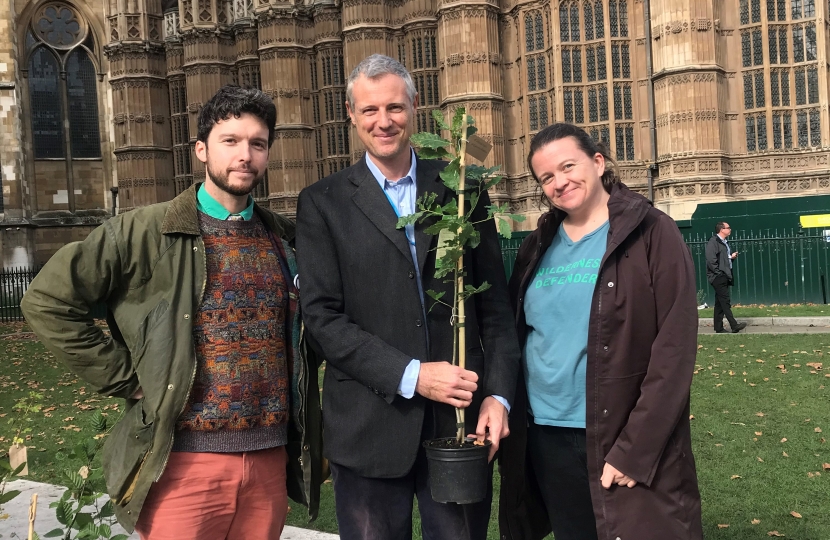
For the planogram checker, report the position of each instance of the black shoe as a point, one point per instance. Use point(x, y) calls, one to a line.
point(738, 327)
point(721, 332)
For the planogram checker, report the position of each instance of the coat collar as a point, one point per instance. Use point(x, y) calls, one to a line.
point(370, 199)
point(182, 217)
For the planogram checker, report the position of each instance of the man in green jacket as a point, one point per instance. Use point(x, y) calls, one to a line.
point(223, 415)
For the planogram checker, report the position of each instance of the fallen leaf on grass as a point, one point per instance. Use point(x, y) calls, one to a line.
point(691, 417)
point(795, 514)
point(755, 521)
point(814, 365)
point(817, 430)
point(735, 477)
point(775, 533)
point(759, 433)
point(723, 525)
point(785, 454)
point(784, 440)
point(759, 414)
point(760, 459)
point(826, 466)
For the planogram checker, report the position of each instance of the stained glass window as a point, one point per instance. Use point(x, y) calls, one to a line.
point(800, 87)
point(601, 71)
point(588, 14)
point(58, 27)
point(746, 49)
point(623, 13)
point(543, 111)
point(618, 110)
point(533, 114)
point(531, 73)
point(756, 11)
point(319, 142)
point(744, 11)
point(420, 53)
point(785, 88)
point(564, 30)
point(574, 22)
point(761, 129)
point(810, 42)
point(796, 9)
point(815, 128)
point(812, 84)
point(576, 58)
point(528, 32)
point(803, 130)
point(783, 57)
point(627, 102)
point(629, 143)
point(615, 60)
point(774, 90)
point(47, 116)
point(620, 140)
point(626, 62)
point(566, 65)
point(787, 124)
point(594, 133)
point(749, 100)
point(590, 63)
point(750, 134)
point(541, 71)
point(612, 14)
point(540, 31)
point(83, 106)
point(401, 55)
point(782, 10)
point(773, 46)
point(757, 47)
point(593, 112)
point(434, 53)
point(770, 10)
point(579, 113)
point(599, 20)
point(809, 8)
point(605, 135)
point(603, 103)
point(776, 131)
point(569, 106)
point(798, 44)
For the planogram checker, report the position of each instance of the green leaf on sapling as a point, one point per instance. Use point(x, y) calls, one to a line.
point(438, 116)
point(409, 219)
point(504, 227)
point(451, 175)
point(433, 153)
point(428, 140)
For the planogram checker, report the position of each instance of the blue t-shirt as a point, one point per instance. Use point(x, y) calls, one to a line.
point(557, 308)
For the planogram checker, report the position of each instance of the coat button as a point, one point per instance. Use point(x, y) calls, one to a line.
point(411, 274)
point(169, 386)
point(305, 448)
point(605, 348)
point(195, 248)
point(419, 323)
point(604, 412)
point(186, 316)
point(611, 284)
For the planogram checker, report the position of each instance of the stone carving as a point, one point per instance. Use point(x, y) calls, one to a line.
point(680, 168)
point(708, 166)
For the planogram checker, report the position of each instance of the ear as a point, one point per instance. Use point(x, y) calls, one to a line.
point(599, 163)
point(201, 151)
point(351, 113)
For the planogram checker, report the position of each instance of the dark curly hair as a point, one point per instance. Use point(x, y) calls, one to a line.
point(585, 143)
point(233, 100)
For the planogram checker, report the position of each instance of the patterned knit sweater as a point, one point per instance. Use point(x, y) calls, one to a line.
point(239, 401)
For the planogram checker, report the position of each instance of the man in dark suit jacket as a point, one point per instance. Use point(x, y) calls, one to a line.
point(719, 259)
point(388, 383)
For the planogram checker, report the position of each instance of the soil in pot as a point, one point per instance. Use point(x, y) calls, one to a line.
point(458, 472)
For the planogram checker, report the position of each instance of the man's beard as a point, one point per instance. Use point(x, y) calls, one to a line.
point(220, 180)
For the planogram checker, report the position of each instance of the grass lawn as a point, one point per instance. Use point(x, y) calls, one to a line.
point(760, 407)
point(760, 310)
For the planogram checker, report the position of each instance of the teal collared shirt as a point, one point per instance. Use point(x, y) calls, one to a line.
point(210, 206)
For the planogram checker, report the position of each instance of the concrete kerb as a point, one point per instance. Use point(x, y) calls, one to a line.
point(775, 321)
point(14, 518)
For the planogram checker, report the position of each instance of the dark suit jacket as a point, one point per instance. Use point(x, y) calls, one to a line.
point(360, 302)
point(717, 260)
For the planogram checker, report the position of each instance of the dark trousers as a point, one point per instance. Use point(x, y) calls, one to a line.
point(723, 304)
point(560, 461)
point(381, 508)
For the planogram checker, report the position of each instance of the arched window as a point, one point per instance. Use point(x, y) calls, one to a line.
point(62, 85)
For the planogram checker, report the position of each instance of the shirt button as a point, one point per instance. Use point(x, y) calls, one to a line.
point(419, 323)
point(611, 284)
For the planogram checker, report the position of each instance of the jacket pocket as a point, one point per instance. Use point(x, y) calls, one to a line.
point(124, 453)
point(337, 374)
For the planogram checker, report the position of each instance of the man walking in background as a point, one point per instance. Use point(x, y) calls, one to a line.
point(719, 259)
point(204, 345)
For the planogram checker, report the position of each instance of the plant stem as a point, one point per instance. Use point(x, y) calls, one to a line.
point(460, 331)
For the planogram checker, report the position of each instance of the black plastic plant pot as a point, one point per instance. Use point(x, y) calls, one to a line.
point(457, 473)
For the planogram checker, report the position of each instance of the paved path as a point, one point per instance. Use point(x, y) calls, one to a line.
point(17, 509)
point(774, 325)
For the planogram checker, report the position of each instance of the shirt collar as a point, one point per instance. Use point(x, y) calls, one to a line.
point(382, 179)
point(210, 206)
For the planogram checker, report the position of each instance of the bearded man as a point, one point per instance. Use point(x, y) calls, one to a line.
point(204, 345)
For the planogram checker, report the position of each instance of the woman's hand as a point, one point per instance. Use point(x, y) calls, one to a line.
point(610, 476)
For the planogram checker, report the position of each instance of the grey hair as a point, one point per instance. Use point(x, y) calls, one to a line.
point(378, 65)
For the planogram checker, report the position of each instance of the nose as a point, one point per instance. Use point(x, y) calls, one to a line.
point(244, 152)
point(384, 120)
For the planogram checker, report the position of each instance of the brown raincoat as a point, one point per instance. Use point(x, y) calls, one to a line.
point(641, 353)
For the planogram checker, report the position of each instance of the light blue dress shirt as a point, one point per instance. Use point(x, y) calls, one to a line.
point(402, 195)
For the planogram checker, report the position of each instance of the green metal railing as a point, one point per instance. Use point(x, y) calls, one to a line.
point(788, 266)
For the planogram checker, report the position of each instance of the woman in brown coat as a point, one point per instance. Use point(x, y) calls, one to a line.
point(604, 295)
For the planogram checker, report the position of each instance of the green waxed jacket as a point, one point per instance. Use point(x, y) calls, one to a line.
point(148, 266)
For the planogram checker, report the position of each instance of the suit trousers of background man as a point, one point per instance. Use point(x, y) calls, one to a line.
point(723, 305)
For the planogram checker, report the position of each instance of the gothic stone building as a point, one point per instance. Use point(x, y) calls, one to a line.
point(698, 100)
